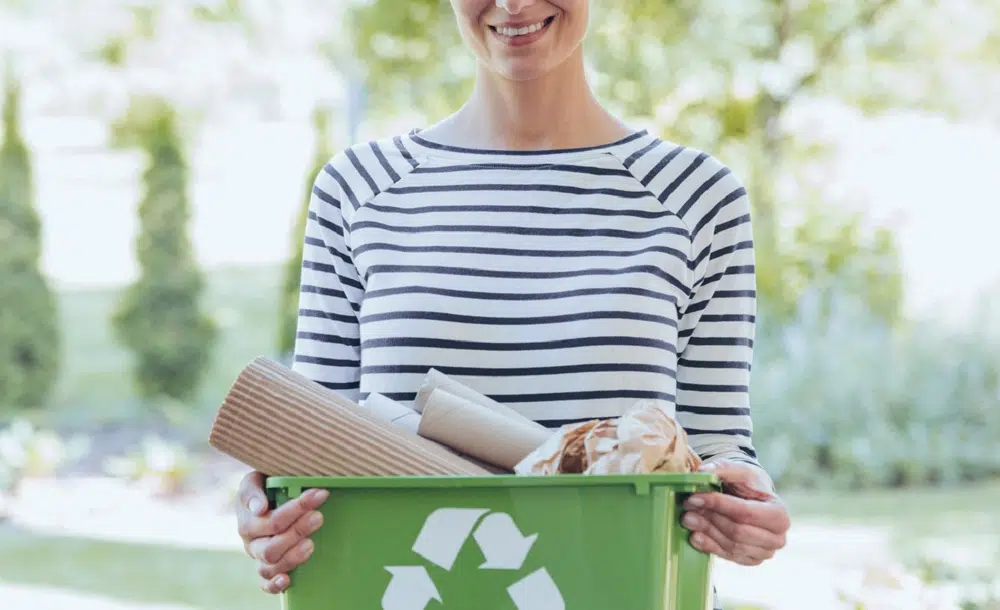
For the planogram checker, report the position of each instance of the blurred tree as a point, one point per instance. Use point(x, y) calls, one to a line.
point(293, 268)
point(159, 318)
point(30, 338)
point(723, 77)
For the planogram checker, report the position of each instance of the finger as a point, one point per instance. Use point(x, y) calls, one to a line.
point(290, 513)
point(289, 561)
point(708, 535)
point(283, 517)
point(275, 585)
point(271, 549)
point(706, 544)
point(771, 516)
point(742, 533)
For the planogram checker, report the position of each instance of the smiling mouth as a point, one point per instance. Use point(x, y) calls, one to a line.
point(515, 33)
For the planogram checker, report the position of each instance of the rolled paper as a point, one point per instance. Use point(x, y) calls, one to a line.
point(478, 431)
point(387, 409)
point(380, 407)
point(281, 423)
point(435, 380)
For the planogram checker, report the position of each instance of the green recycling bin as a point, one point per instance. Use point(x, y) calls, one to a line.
point(564, 542)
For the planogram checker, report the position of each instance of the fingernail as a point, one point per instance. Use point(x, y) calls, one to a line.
point(306, 546)
point(316, 520)
point(281, 582)
point(697, 540)
point(690, 520)
point(321, 495)
point(696, 501)
point(256, 505)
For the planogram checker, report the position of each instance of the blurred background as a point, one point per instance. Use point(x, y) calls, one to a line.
point(155, 162)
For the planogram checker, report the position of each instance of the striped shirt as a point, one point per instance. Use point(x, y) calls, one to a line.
point(567, 284)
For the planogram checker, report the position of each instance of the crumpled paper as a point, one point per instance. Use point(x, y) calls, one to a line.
point(644, 440)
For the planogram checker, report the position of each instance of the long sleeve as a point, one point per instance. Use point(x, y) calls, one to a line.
point(716, 330)
point(327, 345)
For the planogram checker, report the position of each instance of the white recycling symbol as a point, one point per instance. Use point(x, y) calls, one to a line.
point(503, 546)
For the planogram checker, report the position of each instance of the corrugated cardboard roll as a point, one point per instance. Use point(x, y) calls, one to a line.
point(281, 423)
point(435, 380)
point(478, 431)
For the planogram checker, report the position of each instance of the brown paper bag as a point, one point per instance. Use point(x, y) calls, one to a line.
point(646, 439)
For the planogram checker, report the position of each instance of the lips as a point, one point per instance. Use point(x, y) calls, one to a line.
point(522, 32)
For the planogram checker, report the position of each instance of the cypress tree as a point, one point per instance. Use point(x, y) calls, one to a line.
point(30, 337)
point(159, 318)
point(293, 268)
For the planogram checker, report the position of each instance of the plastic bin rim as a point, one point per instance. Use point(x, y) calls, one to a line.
point(687, 481)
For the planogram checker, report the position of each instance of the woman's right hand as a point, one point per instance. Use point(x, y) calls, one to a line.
point(278, 539)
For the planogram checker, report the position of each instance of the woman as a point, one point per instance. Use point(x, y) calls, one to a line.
point(548, 254)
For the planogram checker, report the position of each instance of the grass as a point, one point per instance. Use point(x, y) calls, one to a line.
point(901, 508)
point(219, 580)
point(213, 580)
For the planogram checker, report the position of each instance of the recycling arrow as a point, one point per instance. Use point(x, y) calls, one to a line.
point(504, 547)
point(411, 588)
point(536, 591)
point(501, 542)
point(443, 534)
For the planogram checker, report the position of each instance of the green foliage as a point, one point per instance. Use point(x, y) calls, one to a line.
point(842, 400)
point(293, 268)
point(830, 243)
point(29, 333)
point(159, 318)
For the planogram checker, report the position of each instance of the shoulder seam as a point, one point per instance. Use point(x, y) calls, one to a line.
point(378, 149)
point(628, 168)
point(396, 179)
point(690, 235)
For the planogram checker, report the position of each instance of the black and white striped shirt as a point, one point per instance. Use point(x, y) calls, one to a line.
point(568, 284)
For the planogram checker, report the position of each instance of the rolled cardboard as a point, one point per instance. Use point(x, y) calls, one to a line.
point(478, 431)
point(435, 379)
point(380, 407)
point(281, 423)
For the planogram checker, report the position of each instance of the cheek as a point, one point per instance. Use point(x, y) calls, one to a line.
point(469, 15)
point(471, 11)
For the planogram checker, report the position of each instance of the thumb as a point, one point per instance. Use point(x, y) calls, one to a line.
point(257, 503)
point(251, 493)
point(739, 479)
point(727, 470)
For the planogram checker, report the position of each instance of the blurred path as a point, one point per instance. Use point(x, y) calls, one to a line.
point(817, 561)
point(17, 597)
point(106, 509)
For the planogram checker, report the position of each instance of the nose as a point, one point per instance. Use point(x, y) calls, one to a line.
point(514, 6)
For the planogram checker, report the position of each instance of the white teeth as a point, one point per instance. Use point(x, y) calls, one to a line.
point(530, 29)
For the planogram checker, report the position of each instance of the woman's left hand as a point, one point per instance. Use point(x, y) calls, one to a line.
point(746, 524)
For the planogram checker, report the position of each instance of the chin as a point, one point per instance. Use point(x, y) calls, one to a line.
point(522, 71)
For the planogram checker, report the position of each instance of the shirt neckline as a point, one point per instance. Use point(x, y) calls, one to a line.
point(435, 149)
